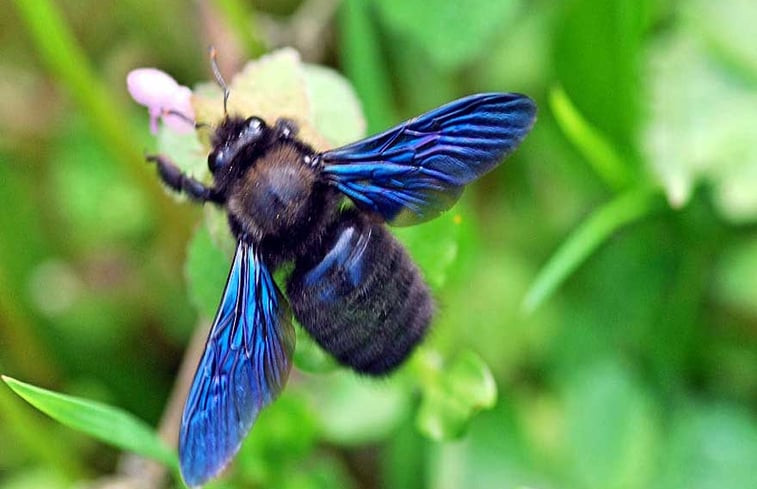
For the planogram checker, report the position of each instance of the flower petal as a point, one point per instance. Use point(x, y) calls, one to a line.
point(181, 103)
point(160, 93)
point(150, 87)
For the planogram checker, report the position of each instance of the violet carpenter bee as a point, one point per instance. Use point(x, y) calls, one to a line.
point(353, 287)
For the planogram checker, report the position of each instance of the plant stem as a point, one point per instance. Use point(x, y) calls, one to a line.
point(67, 62)
point(364, 64)
point(592, 144)
point(622, 210)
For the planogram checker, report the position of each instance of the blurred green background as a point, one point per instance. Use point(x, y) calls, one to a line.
point(602, 283)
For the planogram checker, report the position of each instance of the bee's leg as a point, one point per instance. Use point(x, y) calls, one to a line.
point(181, 183)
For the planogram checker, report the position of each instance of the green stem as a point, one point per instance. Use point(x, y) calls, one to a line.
point(599, 153)
point(364, 64)
point(622, 210)
point(68, 63)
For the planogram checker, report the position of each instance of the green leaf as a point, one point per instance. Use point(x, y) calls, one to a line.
point(32, 437)
point(597, 150)
point(728, 32)
point(703, 115)
point(206, 268)
point(611, 430)
point(441, 416)
point(186, 151)
point(106, 423)
point(469, 378)
point(310, 357)
point(401, 455)
point(353, 410)
point(92, 195)
point(624, 209)
point(271, 87)
point(596, 56)
point(735, 281)
point(450, 33)
point(453, 395)
point(493, 454)
point(34, 479)
point(364, 63)
point(285, 432)
point(318, 99)
point(711, 447)
point(322, 471)
point(334, 105)
point(433, 256)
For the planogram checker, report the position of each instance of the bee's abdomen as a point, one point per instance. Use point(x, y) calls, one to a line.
point(361, 297)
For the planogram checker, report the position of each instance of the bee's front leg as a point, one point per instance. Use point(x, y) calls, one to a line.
point(180, 182)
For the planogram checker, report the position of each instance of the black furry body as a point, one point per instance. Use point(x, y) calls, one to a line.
point(374, 321)
point(270, 183)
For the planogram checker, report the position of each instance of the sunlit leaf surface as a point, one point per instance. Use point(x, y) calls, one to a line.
point(105, 423)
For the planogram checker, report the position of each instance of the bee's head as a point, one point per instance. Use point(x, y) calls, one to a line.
point(234, 138)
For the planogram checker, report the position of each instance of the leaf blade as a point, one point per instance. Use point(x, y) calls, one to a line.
point(106, 423)
point(452, 395)
point(595, 148)
point(623, 209)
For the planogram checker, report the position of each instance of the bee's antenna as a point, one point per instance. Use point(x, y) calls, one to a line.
point(219, 77)
point(185, 118)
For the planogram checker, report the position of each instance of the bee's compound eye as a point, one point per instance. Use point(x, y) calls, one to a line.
point(216, 160)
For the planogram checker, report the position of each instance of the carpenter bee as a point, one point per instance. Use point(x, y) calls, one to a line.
point(353, 287)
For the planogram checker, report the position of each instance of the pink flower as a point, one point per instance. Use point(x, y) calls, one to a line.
point(161, 95)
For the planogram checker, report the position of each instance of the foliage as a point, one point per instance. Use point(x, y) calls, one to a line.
point(596, 309)
point(103, 422)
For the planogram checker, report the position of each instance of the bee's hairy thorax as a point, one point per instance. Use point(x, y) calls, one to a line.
point(275, 198)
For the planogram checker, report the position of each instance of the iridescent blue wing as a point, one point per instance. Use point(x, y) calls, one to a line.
point(246, 362)
point(413, 172)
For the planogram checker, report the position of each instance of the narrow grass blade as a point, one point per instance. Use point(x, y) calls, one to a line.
point(71, 69)
point(365, 65)
point(28, 434)
point(106, 423)
point(599, 153)
point(624, 209)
